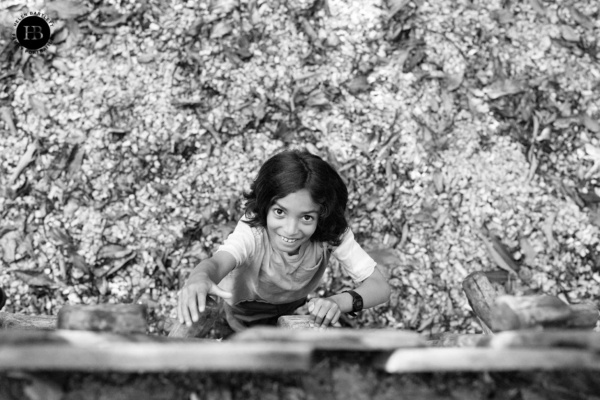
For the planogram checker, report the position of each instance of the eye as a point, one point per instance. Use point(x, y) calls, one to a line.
point(278, 211)
point(308, 218)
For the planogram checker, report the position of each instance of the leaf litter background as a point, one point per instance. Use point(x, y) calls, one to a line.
point(467, 133)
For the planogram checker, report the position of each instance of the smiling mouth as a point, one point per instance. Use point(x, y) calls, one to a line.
point(288, 240)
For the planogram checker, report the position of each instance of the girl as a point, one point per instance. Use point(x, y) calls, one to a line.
point(294, 220)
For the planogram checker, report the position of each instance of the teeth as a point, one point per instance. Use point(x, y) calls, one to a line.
point(288, 240)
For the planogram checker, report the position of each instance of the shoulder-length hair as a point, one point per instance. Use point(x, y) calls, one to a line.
point(289, 172)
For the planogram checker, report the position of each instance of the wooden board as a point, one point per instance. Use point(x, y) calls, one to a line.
point(522, 312)
point(487, 359)
point(457, 340)
point(481, 295)
point(335, 338)
point(269, 350)
point(296, 322)
point(502, 312)
point(582, 339)
point(24, 321)
point(93, 351)
point(532, 338)
point(116, 318)
point(583, 315)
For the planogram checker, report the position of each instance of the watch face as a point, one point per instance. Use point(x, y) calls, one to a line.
point(358, 304)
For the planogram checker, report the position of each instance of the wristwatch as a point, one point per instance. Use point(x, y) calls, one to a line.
point(357, 302)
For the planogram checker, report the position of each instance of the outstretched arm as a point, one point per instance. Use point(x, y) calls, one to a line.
point(374, 290)
point(203, 281)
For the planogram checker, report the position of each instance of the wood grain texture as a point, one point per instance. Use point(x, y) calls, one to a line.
point(117, 318)
point(521, 312)
point(584, 315)
point(96, 351)
point(566, 338)
point(487, 359)
point(481, 295)
point(527, 338)
point(24, 321)
point(335, 338)
point(296, 322)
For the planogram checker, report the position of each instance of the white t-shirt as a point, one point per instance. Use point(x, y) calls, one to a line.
point(262, 273)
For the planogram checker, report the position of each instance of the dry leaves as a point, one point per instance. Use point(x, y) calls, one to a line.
point(568, 33)
point(25, 160)
point(67, 9)
point(591, 124)
point(6, 115)
point(180, 144)
point(499, 254)
point(221, 29)
point(581, 18)
point(358, 84)
point(112, 251)
point(222, 7)
point(37, 279)
point(503, 87)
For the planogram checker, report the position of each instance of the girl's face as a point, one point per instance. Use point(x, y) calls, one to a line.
point(291, 221)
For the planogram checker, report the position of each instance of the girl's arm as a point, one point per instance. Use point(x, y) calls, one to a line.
point(374, 290)
point(203, 281)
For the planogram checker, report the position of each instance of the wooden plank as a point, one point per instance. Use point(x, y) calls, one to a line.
point(582, 339)
point(24, 321)
point(458, 340)
point(502, 312)
point(521, 312)
point(533, 338)
point(486, 359)
point(481, 295)
point(335, 338)
point(584, 315)
point(117, 318)
point(94, 351)
point(296, 322)
point(498, 278)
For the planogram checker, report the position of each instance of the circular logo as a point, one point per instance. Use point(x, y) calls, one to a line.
point(32, 32)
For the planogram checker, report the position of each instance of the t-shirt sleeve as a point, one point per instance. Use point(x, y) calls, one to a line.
point(240, 243)
point(353, 258)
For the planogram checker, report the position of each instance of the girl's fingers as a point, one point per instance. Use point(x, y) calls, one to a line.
point(200, 305)
point(179, 311)
point(191, 308)
point(192, 301)
point(322, 312)
point(314, 308)
point(336, 317)
point(330, 316)
point(184, 315)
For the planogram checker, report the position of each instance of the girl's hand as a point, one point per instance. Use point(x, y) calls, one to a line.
point(192, 298)
point(326, 311)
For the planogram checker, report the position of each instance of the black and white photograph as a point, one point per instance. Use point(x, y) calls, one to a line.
point(299, 199)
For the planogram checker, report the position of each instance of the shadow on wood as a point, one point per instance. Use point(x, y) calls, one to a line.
point(213, 318)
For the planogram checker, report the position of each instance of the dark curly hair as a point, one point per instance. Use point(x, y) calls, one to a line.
point(289, 172)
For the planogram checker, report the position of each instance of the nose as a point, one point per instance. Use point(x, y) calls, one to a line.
point(291, 227)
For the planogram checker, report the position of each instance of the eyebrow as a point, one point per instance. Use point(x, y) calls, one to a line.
point(302, 212)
